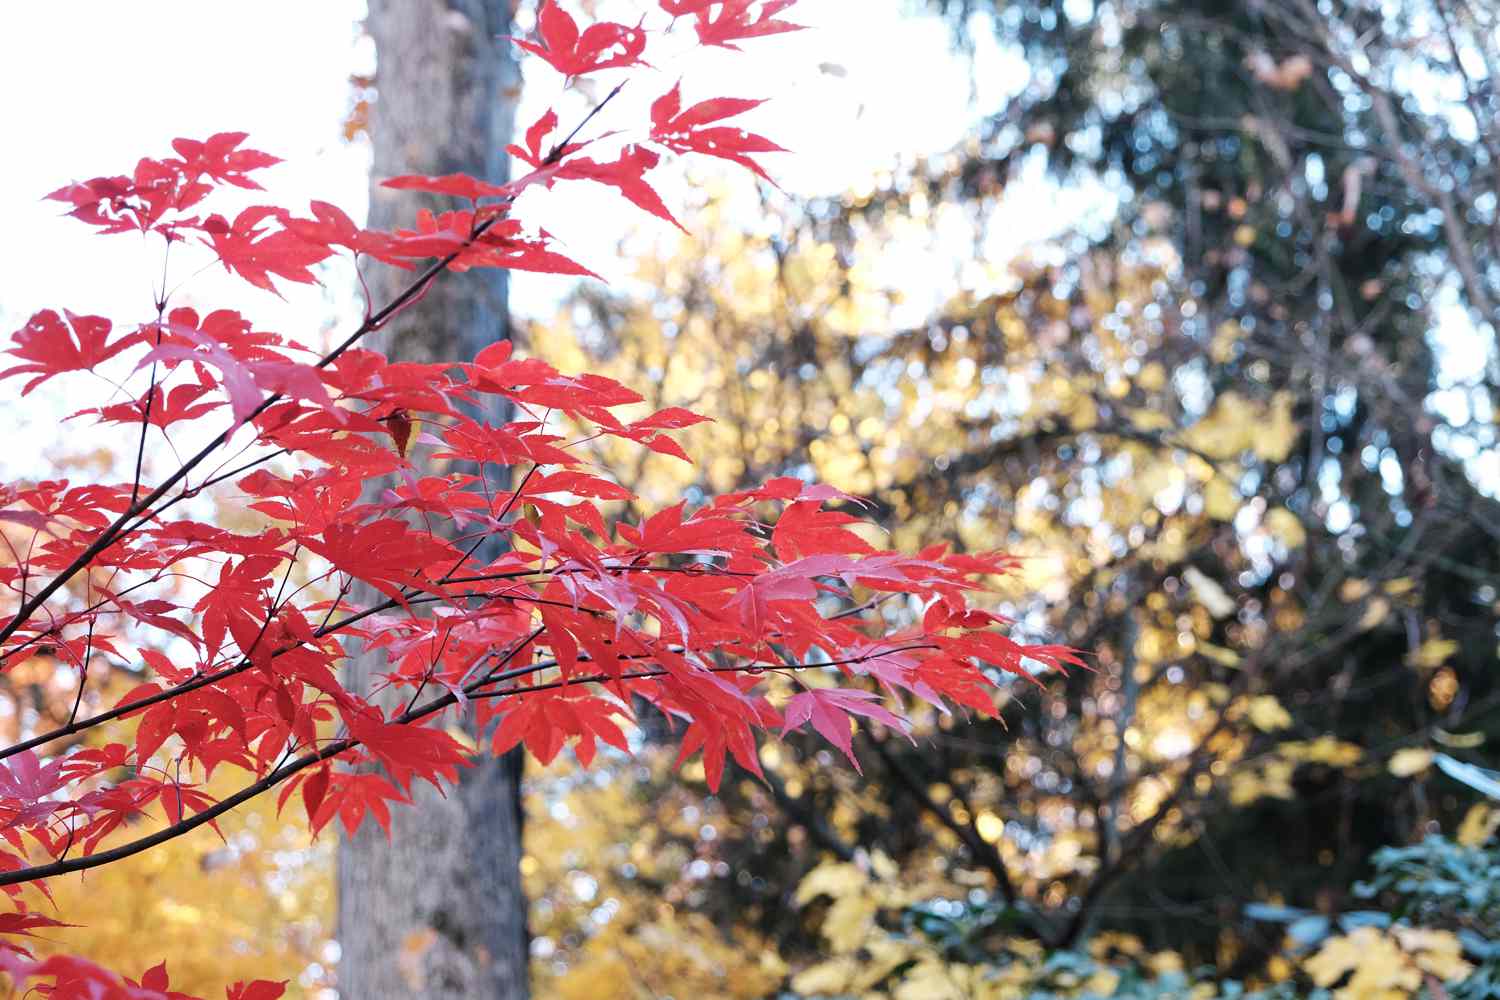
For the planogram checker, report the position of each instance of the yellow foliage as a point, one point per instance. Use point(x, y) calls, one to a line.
point(1479, 825)
point(1220, 501)
point(1286, 527)
point(1400, 586)
point(1376, 612)
point(1152, 377)
point(256, 905)
point(848, 921)
point(1435, 951)
point(832, 878)
point(1273, 779)
point(1236, 424)
point(1386, 965)
point(1220, 655)
point(1432, 654)
point(1267, 714)
point(1380, 969)
point(832, 976)
point(1277, 432)
point(1409, 761)
point(676, 954)
point(1207, 590)
point(606, 886)
point(782, 367)
point(934, 979)
point(1324, 750)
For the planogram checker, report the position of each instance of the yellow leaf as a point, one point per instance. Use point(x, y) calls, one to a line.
point(1084, 413)
point(1277, 432)
point(1226, 335)
point(1409, 761)
point(831, 976)
point(929, 980)
point(849, 922)
point(1432, 654)
point(1220, 501)
point(1149, 420)
point(1227, 430)
point(1103, 982)
point(1376, 612)
point(1435, 951)
point(1478, 826)
point(1267, 714)
point(1286, 527)
point(1153, 377)
point(1377, 963)
point(1223, 657)
point(1324, 750)
point(832, 878)
point(877, 960)
point(1209, 593)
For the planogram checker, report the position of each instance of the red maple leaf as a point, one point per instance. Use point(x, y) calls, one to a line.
point(51, 347)
point(683, 131)
point(805, 529)
point(829, 710)
point(626, 175)
point(220, 158)
point(733, 19)
point(387, 554)
point(457, 185)
point(605, 45)
point(259, 989)
point(247, 248)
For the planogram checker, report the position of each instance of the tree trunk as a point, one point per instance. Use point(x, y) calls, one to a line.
point(439, 912)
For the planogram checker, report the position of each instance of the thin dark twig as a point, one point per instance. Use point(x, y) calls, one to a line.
point(111, 534)
point(83, 672)
point(333, 749)
point(140, 447)
point(413, 291)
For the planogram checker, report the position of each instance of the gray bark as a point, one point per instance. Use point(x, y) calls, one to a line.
point(439, 912)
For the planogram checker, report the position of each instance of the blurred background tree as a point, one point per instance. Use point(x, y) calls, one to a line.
point(435, 908)
point(1236, 409)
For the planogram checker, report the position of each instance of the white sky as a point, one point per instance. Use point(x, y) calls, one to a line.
point(90, 87)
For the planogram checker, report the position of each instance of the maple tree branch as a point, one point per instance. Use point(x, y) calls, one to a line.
point(697, 569)
point(560, 149)
point(89, 611)
point(140, 448)
point(327, 629)
point(184, 826)
point(111, 534)
point(390, 604)
point(736, 668)
point(74, 727)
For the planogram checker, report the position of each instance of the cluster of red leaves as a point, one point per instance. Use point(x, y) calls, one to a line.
point(581, 623)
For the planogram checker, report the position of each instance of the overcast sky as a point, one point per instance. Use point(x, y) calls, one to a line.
point(91, 87)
